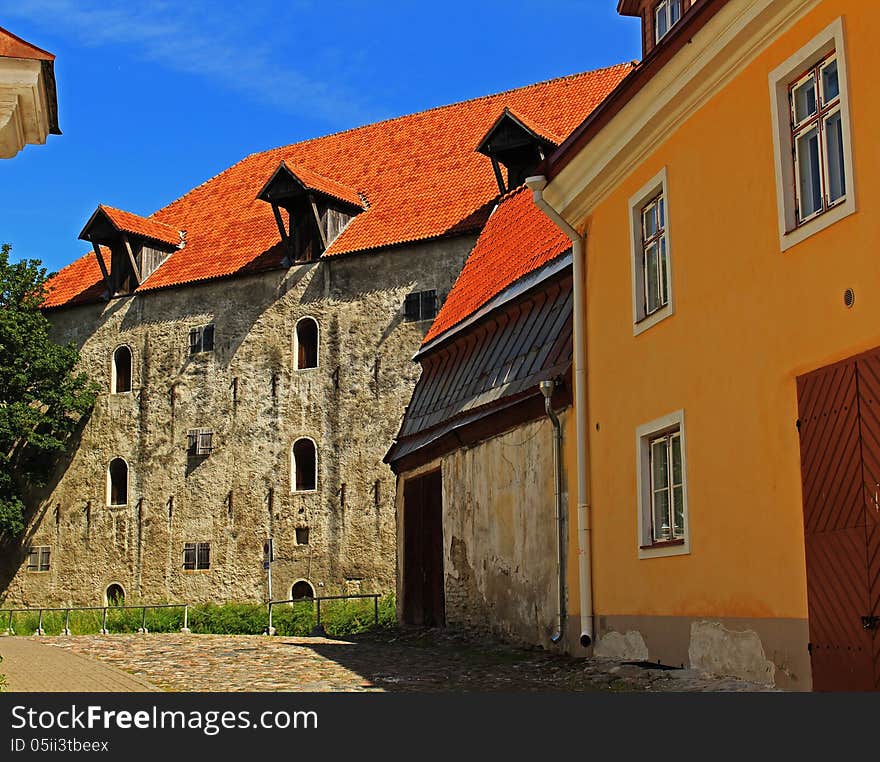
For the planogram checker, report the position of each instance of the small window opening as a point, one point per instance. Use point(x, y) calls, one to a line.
point(200, 443)
point(122, 370)
point(115, 595)
point(420, 305)
point(302, 589)
point(305, 465)
point(38, 558)
point(306, 344)
point(201, 339)
point(302, 535)
point(118, 476)
point(197, 555)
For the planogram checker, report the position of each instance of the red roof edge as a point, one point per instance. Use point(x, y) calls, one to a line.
point(12, 46)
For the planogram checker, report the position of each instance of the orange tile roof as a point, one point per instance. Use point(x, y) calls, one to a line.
point(314, 181)
point(78, 283)
point(127, 222)
point(517, 239)
point(419, 173)
point(12, 46)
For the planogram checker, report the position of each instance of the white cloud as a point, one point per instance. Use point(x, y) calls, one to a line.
point(240, 46)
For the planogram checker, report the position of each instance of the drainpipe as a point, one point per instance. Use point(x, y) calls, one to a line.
point(585, 571)
point(547, 390)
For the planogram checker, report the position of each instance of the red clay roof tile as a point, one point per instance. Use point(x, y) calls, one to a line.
point(419, 173)
point(127, 222)
point(517, 239)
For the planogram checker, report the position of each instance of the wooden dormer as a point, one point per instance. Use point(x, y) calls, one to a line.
point(519, 145)
point(659, 18)
point(317, 210)
point(135, 247)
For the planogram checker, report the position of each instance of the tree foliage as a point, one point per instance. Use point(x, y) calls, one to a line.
point(42, 397)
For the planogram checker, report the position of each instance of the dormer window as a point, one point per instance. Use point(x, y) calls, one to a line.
point(311, 211)
point(666, 15)
point(517, 144)
point(129, 248)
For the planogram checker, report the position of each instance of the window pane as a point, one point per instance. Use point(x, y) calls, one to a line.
point(662, 530)
point(809, 174)
point(830, 83)
point(664, 273)
point(674, 11)
point(44, 559)
point(649, 221)
point(676, 459)
point(662, 25)
point(678, 511)
point(652, 284)
point(805, 104)
point(661, 213)
point(834, 150)
point(659, 464)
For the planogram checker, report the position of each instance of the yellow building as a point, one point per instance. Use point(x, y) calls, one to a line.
point(725, 199)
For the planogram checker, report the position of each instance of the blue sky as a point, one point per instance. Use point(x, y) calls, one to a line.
point(155, 98)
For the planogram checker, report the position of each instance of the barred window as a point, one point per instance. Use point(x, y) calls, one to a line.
point(38, 558)
point(196, 555)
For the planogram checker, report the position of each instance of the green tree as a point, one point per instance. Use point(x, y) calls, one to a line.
point(42, 397)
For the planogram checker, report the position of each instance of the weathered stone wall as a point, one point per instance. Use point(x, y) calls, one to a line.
point(500, 534)
point(350, 405)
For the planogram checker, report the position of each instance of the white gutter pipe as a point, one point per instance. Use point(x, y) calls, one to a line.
point(585, 566)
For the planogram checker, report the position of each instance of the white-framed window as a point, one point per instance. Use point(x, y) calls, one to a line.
point(662, 487)
point(667, 14)
point(306, 340)
point(651, 254)
point(304, 465)
point(117, 482)
point(120, 373)
point(38, 558)
point(812, 147)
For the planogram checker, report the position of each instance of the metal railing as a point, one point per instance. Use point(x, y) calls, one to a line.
point(104, 609)
point(319, 627)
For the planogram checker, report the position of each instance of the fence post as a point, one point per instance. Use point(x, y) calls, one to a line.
point(376, 610)
point(143, 628)
point(40, 625)
point(318, 630)
point(185, 628)
point(66, 630)
point(270, 630)
point(104, 630)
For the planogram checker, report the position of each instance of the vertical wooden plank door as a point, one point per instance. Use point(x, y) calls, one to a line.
point(836, 504)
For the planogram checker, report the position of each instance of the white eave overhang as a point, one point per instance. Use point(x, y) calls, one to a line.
point(24, 105)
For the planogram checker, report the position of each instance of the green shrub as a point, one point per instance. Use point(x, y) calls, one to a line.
point(342, 617)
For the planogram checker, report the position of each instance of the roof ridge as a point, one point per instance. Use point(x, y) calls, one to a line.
point(401, 117)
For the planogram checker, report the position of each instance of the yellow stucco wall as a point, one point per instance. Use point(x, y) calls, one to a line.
point(748, 319)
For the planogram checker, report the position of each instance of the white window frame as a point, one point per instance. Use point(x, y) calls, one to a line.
point(296, 344)
point(666, 7)
point(642, 321)
point(791, 231)
point(110, 483)
point(113, 369)
point(645, 434)
point(293, 488)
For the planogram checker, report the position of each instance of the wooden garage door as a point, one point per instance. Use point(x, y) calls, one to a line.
point(839, 423)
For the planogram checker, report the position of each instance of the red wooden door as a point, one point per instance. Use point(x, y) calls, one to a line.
point(837, 463)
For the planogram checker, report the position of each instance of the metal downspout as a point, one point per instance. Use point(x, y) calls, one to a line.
point(585, 568)
point(547, 388)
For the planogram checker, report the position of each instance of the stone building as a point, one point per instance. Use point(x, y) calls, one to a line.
point(252, 342)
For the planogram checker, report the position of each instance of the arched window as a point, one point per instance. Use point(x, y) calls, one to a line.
point(115, 595)
point(306, 344)
point(121, 381)
point(117, 482)
point(302, 589)
point(305, 465)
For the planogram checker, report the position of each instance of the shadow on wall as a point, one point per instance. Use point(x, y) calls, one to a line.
point(13, 550)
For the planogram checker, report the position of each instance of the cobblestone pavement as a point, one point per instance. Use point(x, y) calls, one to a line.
point(396, 661)
point(30, 665)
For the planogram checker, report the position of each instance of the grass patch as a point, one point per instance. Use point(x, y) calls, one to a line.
point(343, 617)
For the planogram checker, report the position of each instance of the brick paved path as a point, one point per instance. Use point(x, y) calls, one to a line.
point(31, 665)
point(399, 661)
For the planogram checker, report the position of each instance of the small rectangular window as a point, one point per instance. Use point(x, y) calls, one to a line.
point(201, 339)
point(200, 442)
point(38, 558)
point(302, 535)
point(420, 305)
point(666, 15)
point(196, 555)
point(662, 478)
